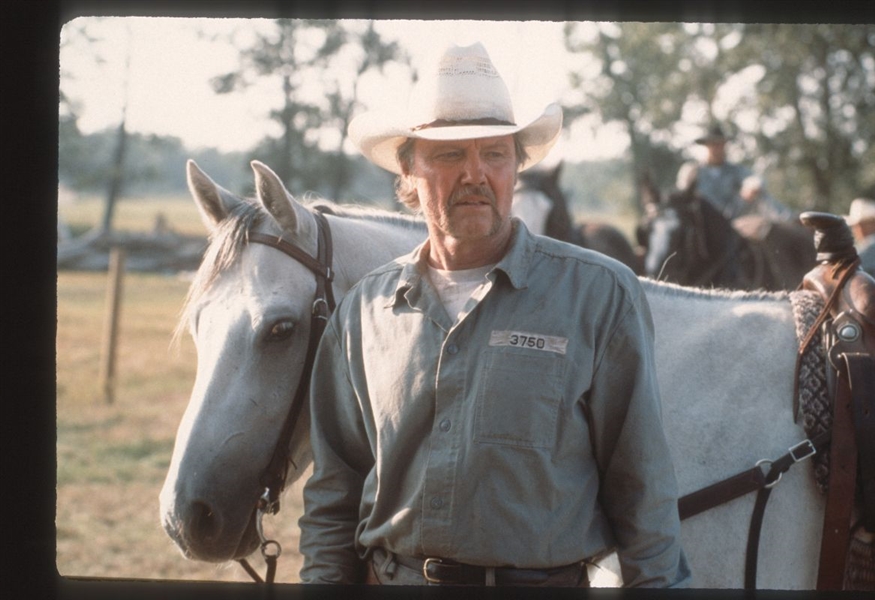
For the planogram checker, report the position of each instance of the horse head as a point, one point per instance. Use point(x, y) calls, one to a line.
point(248, 312)
point(686, 240)
point(541, 204)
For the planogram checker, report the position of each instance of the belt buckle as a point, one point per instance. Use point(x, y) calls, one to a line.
point(425, 564)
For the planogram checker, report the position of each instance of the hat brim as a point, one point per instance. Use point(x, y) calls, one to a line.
point(862, 210)
point(377, 135)
point(703, 141)
point(857, 219)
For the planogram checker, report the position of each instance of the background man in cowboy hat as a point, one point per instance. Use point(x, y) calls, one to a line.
point(861, 219)
point(485, 409)
point(733, 188)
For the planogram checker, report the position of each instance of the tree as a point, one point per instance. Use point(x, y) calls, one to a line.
point(79, 37)
point(309, 152)
point(811, 119)
point(645, 76)
point(284, 54)
point(71, 154)
point(117, 167)
point(368, 52)
point(816, 108)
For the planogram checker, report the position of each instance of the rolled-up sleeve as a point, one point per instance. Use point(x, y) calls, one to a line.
point(342, 459)
point(638, 489)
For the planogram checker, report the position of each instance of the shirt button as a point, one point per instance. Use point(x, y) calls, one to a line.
point(452, 349)
point(436, 502)
point(445, 425)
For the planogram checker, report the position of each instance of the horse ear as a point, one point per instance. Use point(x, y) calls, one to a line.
point(213, 201)
point(288, 212)
point(556, 173)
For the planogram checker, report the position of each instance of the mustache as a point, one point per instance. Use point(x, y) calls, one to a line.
point(466, 191)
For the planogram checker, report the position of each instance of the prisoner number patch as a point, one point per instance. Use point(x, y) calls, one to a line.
point(534, 341)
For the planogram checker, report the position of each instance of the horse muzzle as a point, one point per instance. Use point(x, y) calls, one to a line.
point(201, 533)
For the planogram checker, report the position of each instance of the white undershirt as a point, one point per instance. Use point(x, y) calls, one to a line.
point(455, 287)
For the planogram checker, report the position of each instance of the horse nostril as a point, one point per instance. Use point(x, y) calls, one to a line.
point(205, 524)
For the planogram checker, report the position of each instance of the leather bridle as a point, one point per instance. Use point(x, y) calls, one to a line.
point(274, 476)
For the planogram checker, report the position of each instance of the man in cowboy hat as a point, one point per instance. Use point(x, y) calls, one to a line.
point(861, 219)
point(485, 409)
point(731, 187)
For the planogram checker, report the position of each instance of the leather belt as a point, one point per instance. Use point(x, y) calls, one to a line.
point(447, 572)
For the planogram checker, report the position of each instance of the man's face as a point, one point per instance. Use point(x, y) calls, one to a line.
point(465, 187)
point(716, 153)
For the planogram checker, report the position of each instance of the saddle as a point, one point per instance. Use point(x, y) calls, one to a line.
point(848, 319)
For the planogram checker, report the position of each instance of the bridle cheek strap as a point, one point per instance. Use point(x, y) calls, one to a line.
point(274, 477)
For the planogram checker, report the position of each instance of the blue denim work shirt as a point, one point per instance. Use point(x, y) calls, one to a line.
point(528, 433)
point(721, 185)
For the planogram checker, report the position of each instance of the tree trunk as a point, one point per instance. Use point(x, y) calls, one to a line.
point(116, 178)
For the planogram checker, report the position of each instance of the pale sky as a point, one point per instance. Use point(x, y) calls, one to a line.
point(170, 67)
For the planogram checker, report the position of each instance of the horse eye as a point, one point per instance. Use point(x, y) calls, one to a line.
point(280, 331)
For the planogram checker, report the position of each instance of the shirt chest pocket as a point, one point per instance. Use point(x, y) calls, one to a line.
point(518, 398)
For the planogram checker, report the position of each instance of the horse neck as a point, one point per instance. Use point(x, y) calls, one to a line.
point(363, 244)
point(721, 241)
point(718, 230)
point(559, 220)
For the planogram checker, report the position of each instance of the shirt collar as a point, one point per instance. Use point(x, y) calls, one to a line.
point(514, 264)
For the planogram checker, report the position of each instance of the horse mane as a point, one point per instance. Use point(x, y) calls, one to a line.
point(673, 290)
point(367, 213)
point(229, 238)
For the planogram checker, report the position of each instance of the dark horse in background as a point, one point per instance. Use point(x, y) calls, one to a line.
point(541, 204)
point(689, 242)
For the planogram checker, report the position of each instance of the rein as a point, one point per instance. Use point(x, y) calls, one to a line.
point(274, 477)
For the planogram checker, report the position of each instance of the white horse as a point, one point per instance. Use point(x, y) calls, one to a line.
point(248, 311)
point(725, 365)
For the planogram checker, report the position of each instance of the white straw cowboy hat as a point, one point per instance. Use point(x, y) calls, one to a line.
point(464, 99)
point(862, 209)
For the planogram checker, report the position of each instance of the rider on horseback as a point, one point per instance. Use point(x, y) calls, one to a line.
point(733, 188)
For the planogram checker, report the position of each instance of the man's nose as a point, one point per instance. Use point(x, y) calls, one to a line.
point(473, 171)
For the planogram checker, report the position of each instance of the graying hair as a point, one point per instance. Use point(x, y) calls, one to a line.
point(404, 189)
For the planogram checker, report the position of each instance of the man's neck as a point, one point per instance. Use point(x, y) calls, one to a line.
point(453, 254)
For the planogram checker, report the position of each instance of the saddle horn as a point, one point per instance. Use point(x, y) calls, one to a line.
point(833, 239)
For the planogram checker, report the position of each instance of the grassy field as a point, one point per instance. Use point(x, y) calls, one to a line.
point(134, 214)
point(112, 458)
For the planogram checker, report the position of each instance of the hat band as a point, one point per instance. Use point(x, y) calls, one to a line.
point(452, 123)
